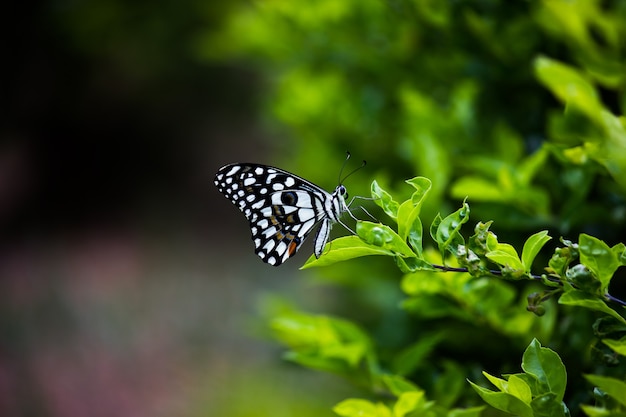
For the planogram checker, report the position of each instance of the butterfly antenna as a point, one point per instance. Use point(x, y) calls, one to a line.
point(355, 170)
point(343, 166)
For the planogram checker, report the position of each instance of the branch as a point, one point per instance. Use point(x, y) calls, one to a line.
point(446, 268)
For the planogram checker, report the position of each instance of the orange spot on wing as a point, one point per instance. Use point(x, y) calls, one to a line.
point(292, 248)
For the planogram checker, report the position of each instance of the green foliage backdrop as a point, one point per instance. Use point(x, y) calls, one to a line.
point(515, 106)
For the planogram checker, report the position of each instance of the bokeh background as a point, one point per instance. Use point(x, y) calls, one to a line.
point(128, 285)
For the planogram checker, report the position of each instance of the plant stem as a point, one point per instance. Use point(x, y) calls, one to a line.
point(446, 268)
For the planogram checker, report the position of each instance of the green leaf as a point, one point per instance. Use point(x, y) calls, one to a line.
point(562, 257)
point(466, 412)
point(601, 411)
point(614, 387)
point(407, 402)
point(569, 86)
point(408, 265)
point(497, 382)
point(447, 231)
point(519, 388)
point(478, 241)
point(618, 346)
point(398, 385)
point(599, 258)
point(532, 246)
point(382, 236)
point(620, 251)
point(409, 223)
point(322, 342)
point(547, 405)
point(410, 226)
point(383, 199)
point(354, 407)
point(546, 366)
point(503, 253)
point(529, 380)
point(435, 225)
point(503, 401)
point(583, 299)
point(343, 249)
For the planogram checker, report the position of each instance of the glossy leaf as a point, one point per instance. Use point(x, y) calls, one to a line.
point(612, 386)
point(503, 254)
point(532, 246)
point(343, 249)
point(582, 299)
point(384, 200)
point(447, 231)
point(380, 235)
point(409, 223)
point(618, 346)
point(599, 258)
point(503, 401)
point(546, 366)
point(361, 408)
point(547, 405)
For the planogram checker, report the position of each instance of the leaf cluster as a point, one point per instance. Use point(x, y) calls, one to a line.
point(471, 286)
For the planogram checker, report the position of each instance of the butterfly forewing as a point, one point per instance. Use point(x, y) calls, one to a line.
point(281, 207)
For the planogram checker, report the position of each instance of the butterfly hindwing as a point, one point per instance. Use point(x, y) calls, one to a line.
point(282, 208)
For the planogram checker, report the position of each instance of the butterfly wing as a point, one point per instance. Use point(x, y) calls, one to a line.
point(281, 207)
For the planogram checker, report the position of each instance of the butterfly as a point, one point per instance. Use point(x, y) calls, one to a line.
point(282, 208)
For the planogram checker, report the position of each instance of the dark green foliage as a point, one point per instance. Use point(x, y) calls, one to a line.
point(512, 108)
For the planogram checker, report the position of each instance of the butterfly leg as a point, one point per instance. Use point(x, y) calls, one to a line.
point(346, 226)
point(361, 207)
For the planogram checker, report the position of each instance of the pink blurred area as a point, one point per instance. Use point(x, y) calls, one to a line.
point(128, 284)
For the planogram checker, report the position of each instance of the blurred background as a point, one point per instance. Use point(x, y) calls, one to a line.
point(128, 284)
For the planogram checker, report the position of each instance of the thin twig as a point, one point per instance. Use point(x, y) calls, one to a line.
point(446, 268)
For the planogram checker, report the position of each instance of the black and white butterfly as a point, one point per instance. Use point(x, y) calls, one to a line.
point(282, 208)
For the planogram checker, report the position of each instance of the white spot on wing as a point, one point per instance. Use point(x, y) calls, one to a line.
point(270, 231)
point(306, 226)
point(269, 245)
point(306, 214)
point(233, 170)
point(281, 248)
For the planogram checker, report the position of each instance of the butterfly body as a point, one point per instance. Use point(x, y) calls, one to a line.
point(281, 207)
